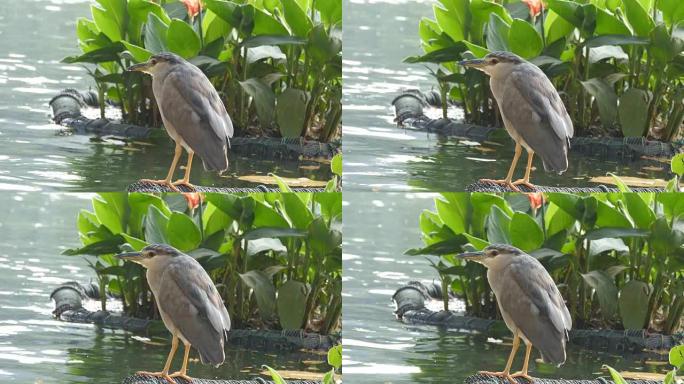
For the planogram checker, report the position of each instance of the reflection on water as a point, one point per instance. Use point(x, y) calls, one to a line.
point(380, 349)
point(34, 36)
point(34, 230)
point(378, 35)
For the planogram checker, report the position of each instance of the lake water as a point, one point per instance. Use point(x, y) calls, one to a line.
point(378, 35)
point(36, 348)
point(34, 36)
point(378, 348)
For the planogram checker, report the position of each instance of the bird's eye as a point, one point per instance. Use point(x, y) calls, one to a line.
point(149, 254)
point(494, 61)
point(153, 61)
point(494, 253)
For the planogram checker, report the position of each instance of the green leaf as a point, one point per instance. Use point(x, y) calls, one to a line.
point(296, 210)
point(335, 357)
point(226, 10)
point(107, 23)
point(263, 97)
point(139, 54)
point(633, 112)
point(330, 10)
point(291, 112)
point(155, 34)
point(524, 39)
point(275, 376)
point(296, 18)
point(608, 24)
point(497, 33)
point(634, 297)
point(608, 232)
point(453, 212)
point(525, 233)
point(617, 378)
point(137, 13)
point(323, 240)
point(182, 232)
point(336, 164)
point(606, 291)
point(570, 11)
point(264, 292)
point(642, 215)
point(265, 24)
point(677, 164)
point(638, 17)
point(257, 41)
point(274, 232)
point(676, 357)
point(479, 12)
point(155, 226)
point(182, 39)
point(104, 247)
point(97, 56)
point(599, 41)
point(673, 11)
point(292, 297)
point(498, 226)
point(449, 246)
point(107, 215)
point(556, 27)
point(265, 216)
point(135, 243)
point(605, 98)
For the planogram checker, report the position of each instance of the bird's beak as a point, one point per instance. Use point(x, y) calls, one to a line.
point(474, 256)
point(476, 63)
point(142, 67)
point(135, 257)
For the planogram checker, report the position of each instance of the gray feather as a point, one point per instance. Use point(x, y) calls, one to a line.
point(533, 107)
point(195, 108)
point(189, 297)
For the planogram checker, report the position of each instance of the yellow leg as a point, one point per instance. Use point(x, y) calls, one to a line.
point(184, 369)
point(506, 373)
point(188, 168)
point(526, 181)
point(507, 181)
point(176, 156)
point(165, 372)
point(523, 373)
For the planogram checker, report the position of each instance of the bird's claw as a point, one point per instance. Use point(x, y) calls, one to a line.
point(182, 375)
point(163, 375)
point(505, 183)
point(184, 183)
point(524, 376)
point(164, 182)
point(505, 375)
point(525, 183)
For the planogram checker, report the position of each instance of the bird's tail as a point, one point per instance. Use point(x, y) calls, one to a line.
point(556, 163)
point(213, 355)
point(554, 355)
point(217, 161)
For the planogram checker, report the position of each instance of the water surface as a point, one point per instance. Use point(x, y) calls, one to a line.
point(34, 36)
point(36, 348)
point(378, 35)
point(380, 349)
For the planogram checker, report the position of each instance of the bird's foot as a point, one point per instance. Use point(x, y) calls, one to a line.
point(504, 182)
point(185, 183)
point(164, 182)
point(523, 375)
point(163, 375)
point(504, 374)
point(182, 375)
point(525, 183)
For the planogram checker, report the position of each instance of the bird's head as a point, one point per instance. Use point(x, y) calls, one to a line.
point(150, 255)
point(494, 62)
point(492, 254)
point(159, 63)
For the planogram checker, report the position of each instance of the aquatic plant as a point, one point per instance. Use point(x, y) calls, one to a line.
point(334, 360)
point(277, 64)
point(617, 64)
point(618, 258)
point(274, 255)
point(676, 359)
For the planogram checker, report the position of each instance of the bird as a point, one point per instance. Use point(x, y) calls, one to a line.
point(189, 304)
point(532, 111)
point(530, 304)
point(192, 112)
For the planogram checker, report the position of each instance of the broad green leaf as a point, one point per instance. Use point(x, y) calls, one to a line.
point(453, 214)
point(97, 56)
point(498, 226)
point(265, 24)
point(634, 297)
point(615, 375)
point(638, 17)
point(275, 376)
point(182, 232)
point(524, 40)
point(296, 210)
point(292, 297)
point(106, 23)
point(677, 164)
point(633, 112)
point(497, 33)
point(322, 239)
point(336, 164)
point(140, 54)
point(296, 18)
point(570, 11)
point(226, 10)
point(605, 98)
point(264, 292)
point(673, 11)
point(264, 99)
point(607, 216)
point(155, 226)
point(335, 357)
point(135, 243)
point(641, 213)
point(556, 27)
point(155, 34)
point(676, 357)
point(606, 292)
point(214, 27)
point(480, 11)
point(182, 40)
point(330, 10)
point(291, 112)
point(525, 233)
point(138, 11)
point(608, 24)
point(265, 216)
point(448, 23)
point(107, 215)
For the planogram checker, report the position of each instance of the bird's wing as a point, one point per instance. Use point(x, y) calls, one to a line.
point(199, 117)
point(188, 296)
point(532, 106)
point(535, 305)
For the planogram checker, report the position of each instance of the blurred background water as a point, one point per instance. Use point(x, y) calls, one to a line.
point(378, 348)
point(36, 348)
point(34, 36)
point(378, 35)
